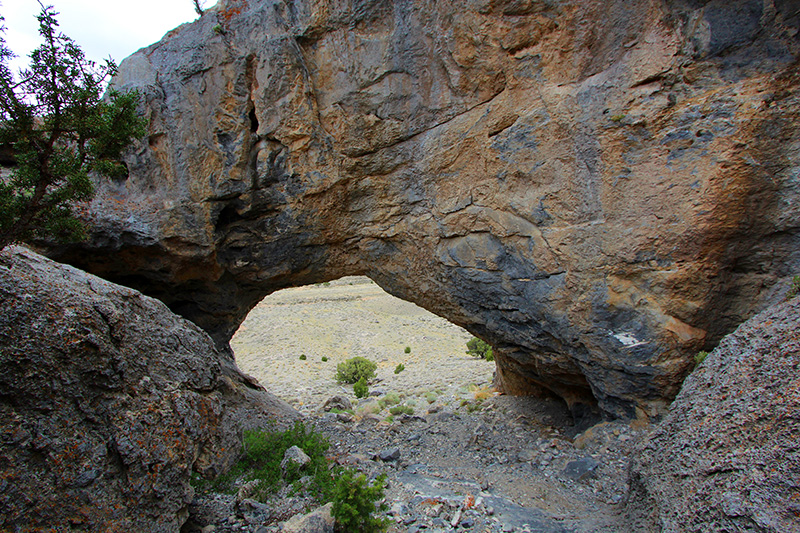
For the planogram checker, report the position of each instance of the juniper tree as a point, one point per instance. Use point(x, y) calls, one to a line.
point(59, 130)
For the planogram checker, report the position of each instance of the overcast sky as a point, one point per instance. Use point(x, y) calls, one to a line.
point(102, 28)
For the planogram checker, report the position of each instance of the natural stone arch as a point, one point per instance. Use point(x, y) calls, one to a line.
point(581, 195)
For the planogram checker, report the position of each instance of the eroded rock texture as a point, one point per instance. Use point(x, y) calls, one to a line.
point(108, 402)
point(597, 188)
point(726, 457)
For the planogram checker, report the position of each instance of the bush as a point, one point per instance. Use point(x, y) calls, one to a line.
point(262, 453)
point(408, 349)
point(360, 388)
point(390, 399)
point(355, 502)
point(399, 368)
point(478, 348)
point(430, 397)
point(354, 369)
point(324, 359)
point(699, 358)
point(794, 290)
point(402, 410)
point(302, 357)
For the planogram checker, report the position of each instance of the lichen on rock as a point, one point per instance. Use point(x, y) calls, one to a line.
point(109, 403)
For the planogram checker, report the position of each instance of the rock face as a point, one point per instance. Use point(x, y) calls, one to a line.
point(597, 188)
point(726, 457)
point(109, 401)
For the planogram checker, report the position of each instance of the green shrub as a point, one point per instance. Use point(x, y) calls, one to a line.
point(354, 369)
point(262, 453)
point(324, 359)
point(408, 349)
point(303, 357)
point(478, 348)
point(401, 410)
point(399, 368)
point(794, 290)
point(356, 501)
point(699, 358)
point(389, 399)
point(430, 396)
point(360, 388)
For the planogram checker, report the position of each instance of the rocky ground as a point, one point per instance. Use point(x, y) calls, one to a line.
point(466, 459)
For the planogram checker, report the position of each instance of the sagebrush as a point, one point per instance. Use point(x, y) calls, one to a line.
point(354, 369)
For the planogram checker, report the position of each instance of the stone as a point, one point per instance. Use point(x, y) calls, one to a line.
point(317, 521)
point(337, 402)
point(389, 454)
point(599, 189)
point(581, 469)
point(294, 458)
point(726, 457)
point(344, 417)
point(110, 402)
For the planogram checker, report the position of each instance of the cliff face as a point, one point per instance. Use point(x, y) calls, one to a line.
point(597, 188)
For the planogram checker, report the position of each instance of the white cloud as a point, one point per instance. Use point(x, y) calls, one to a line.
point(102, 28)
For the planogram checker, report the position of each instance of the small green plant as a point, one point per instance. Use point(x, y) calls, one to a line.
point(699, 358)
point(389, 399)
point(408, 349)
point(617, 118)
point(302, 357)
point(354, 369)
point(401, 410)
point(478, 348)
point(360, 388)
point(430, 397)
point(324, 359)
point(356, 502)
point(399, 368)
point(217, 29)
point(262, 453)
point(794, 290)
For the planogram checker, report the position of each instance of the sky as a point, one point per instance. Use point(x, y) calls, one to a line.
point(102, 28)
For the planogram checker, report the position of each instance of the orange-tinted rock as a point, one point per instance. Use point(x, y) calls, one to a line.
point(599, 189)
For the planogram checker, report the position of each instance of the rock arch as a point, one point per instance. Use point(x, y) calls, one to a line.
point(599, 189)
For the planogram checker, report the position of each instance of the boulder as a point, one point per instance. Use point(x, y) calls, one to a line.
point(337, 402)
point(726, 458)
point(109, 403)
point(294, 458)
point(597, 188)
point(317, 521)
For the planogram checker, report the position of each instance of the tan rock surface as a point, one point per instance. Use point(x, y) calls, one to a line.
point(597, 188)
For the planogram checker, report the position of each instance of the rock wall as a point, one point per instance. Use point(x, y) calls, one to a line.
point(597, 188)
point(108, 403)
point(726, 456)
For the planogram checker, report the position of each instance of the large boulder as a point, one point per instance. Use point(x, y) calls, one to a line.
point(597, 188)
point(108, 403)
point(727, 457)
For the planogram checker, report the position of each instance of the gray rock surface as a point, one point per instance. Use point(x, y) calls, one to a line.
point(727, 456)
point(109, 402)
point(294, 457)
point(317, 521)
point(598, 188)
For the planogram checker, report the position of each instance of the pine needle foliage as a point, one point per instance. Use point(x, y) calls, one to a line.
point(356, 501)
point(59, 130)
